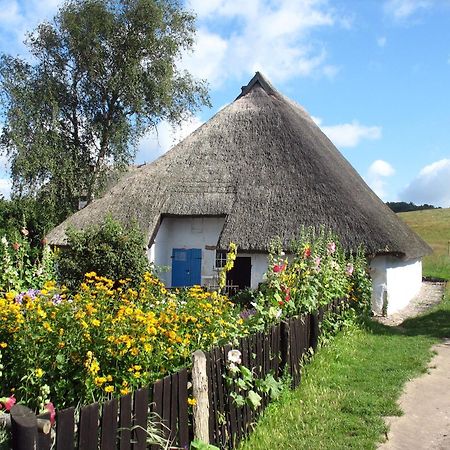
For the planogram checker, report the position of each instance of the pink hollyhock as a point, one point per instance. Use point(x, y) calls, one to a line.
point(331, 248)
point(50, 407)
point(349, 269)
point(10, 402)
point(307, 252)
point(16, 246)
point(317, 263)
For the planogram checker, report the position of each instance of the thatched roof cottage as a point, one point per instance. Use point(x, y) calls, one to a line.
point(259, 168)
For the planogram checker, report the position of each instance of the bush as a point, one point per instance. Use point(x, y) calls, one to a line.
point(109, 249)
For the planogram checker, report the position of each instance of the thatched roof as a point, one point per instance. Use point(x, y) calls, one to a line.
point(267, 167)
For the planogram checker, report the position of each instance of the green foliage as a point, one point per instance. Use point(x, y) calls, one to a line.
point(199, 445)
point(108, 249)
point(317, 273)
point(102, 74)
point(21, 268)
point(24, 212)
point(405, 207)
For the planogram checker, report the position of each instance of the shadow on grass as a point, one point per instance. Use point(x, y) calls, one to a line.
point(434, 324)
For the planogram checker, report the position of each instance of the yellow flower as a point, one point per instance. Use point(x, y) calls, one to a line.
point(95, 322)
point(10, 295)
point(192, 401)
point(3, 345)
point(109, 388)
point(39, 372)
point(124, 391)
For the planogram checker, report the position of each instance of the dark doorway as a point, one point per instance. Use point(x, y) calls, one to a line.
point(240, 274)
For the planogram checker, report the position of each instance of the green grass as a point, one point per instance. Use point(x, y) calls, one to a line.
point(433, 225)
point(350, 385)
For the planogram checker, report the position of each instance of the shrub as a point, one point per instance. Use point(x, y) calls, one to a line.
point(108, 249)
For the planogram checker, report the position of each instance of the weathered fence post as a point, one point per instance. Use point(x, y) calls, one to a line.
point(285, 347)
point(23, 428)
point(200, 393)
point(314, 337)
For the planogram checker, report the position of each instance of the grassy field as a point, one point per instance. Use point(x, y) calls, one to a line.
point(433, 225)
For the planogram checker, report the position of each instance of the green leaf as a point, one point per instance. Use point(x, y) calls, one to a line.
point(254, 399)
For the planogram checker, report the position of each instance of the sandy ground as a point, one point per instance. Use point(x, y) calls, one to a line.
point(425, 401)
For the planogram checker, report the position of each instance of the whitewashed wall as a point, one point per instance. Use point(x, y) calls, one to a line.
point(186, 232)
point(394, 280)
point(196, 232)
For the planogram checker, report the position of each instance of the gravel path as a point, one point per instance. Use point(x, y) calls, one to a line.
point(425, 401)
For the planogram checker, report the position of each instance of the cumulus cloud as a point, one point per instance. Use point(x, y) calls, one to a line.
point(17, 18)
point(432, 185)
point(273, 37)
point(165, 136)
point(403, 9)
point(378, 171)
point(349, 134)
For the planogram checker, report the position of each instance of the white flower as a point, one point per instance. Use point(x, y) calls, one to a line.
point(274, 313)
point(4, 240)
point(233, 368)
point(234, 356)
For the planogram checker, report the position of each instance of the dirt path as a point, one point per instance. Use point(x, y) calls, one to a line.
point(425, 401)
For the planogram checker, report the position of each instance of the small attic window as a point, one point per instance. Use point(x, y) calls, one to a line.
point(221, 258)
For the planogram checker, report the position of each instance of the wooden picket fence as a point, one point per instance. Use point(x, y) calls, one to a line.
point(122, 423)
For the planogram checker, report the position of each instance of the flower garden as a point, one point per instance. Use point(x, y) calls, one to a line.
point(110, 337)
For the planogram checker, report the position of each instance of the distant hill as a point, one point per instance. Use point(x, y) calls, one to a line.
point(398, 207)
point(433, 226)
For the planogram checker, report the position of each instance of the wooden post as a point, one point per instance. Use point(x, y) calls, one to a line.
point(314, 337)
point(200, 392)
point(24, 428)
point(285, 347)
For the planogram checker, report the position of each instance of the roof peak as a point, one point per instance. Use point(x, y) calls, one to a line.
point(260, 79)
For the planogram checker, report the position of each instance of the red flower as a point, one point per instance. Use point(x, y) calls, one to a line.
point(10, 402)
point(50, 407)
point(287, 293)
point(16, 246)
point(279, 267)
point(307, 252)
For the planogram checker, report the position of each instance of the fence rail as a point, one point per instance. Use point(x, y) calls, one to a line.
point(122, 423)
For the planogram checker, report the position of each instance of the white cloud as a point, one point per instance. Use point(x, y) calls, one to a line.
point(157, 142)
point(349, 134)
point(378, 171)
point(403, 9)
point(17, 18)
point(272, 37)
point(380, 168)
point(432, 185)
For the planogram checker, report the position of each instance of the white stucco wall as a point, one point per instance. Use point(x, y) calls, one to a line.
point(186, 232)
point(395, 281)
point(196, 232)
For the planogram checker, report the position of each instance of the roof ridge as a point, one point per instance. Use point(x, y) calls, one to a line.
point(262, 81)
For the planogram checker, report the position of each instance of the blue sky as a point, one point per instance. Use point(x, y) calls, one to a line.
point(374, 74)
